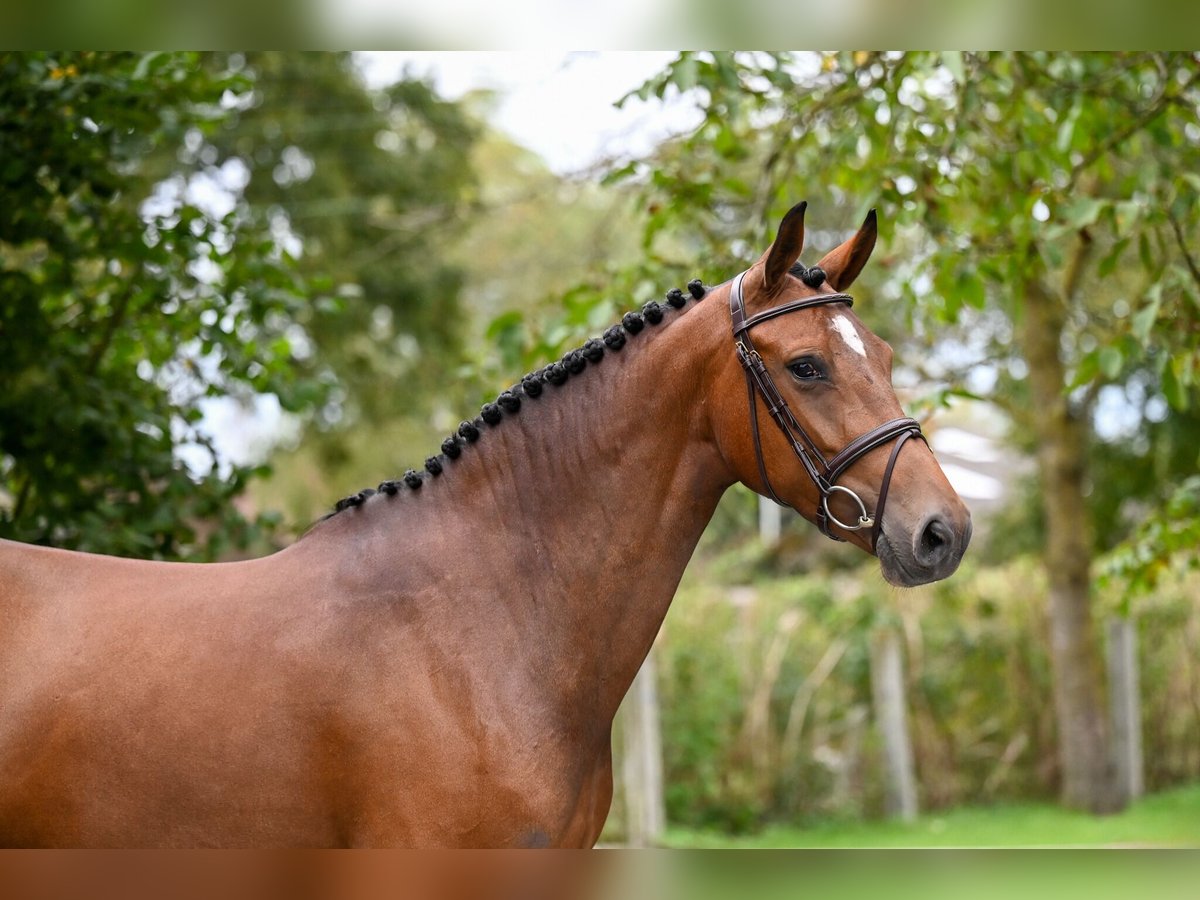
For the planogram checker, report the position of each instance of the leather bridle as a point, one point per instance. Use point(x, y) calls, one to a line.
point(824, 473)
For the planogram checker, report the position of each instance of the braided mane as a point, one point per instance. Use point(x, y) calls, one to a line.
point(531, 386)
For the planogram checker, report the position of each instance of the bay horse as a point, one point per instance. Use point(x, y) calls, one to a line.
point(438, 662)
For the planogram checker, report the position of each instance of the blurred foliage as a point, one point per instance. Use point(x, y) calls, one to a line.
point(118, 321)
point(369, 235)
point(990, 170)
point(539, 251)
point(978, 669)
point(372, 188)
point(1039, 214)
point(183, 228)
point(522, 237)
point(372, 185)
point(1166, 541)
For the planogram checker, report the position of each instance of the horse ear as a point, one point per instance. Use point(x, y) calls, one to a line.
point(843, 264)
point(788, 244)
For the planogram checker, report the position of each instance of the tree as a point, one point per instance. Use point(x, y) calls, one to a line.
point(373, 188)
point(372, 184)
point(1046, 203)
point(120, 318)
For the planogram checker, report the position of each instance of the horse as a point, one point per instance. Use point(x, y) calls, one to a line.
point(438, 662)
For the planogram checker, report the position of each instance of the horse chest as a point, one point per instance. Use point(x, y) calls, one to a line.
point(459, 783)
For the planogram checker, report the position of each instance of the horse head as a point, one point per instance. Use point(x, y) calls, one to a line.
point(804, 412)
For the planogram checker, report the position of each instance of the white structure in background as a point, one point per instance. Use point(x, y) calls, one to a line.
point(641, 760)
point(972, 462)
point(1125, 707)
point(888, 696)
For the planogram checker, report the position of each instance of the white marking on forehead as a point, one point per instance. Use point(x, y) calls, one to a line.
point(849, 333)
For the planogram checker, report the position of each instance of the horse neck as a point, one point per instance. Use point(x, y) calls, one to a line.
point(581, 511)
point(609, 481)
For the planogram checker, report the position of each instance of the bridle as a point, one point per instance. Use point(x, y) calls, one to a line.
point(824, 473)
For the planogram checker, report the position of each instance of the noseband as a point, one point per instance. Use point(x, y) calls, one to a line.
point(824, 473)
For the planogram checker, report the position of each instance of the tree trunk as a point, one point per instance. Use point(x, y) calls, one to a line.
point(891, 716)
point(1083, 740)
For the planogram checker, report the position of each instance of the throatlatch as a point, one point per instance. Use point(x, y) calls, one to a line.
point(824, 473)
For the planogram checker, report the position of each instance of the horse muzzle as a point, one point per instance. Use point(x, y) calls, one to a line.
point(928, 552)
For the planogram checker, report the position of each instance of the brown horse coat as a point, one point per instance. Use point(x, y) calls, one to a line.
point(440, 667)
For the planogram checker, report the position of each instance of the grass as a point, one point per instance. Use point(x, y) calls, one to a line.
point(1167, 819)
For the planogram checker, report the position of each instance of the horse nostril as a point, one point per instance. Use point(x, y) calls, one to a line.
point(936, 542)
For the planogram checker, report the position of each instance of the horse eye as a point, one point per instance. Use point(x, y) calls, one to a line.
point(806, 370)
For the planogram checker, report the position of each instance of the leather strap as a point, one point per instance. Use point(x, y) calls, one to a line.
point(796, 305)
point(877, 528)
point(762, 466)
point(759, 384)
point(737, 307)
point(865, 443)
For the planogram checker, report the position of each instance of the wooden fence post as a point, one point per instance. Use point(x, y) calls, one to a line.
point(641, 765)
point(770, 521)
point(891, 716)
point(1125, 707)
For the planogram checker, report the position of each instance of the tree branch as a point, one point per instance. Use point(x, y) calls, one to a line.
point(22, 497)
point(120, 308)
point(1179, 239)
point(1078, 263)
point(1164, 99)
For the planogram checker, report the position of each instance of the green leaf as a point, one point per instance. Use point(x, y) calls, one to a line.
point(1083, 211)
point(1172, 386)
point(953, 61)
point(619, 174)
point(1144, 318)
point(1066, 131)
point(1144, 252)
point(726, 142)
point(505, 322)
point(143, 66)
point(685, 74)
point(1110, 260)
point(1087, 369)
point(972, 289)
point(1110, 362)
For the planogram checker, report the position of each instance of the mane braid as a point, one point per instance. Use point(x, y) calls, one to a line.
point(533, 385)
point(813, 277)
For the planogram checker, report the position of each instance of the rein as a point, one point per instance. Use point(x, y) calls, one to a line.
point(824, 473)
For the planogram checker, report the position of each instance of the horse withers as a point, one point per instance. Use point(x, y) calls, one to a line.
point(439, 662)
